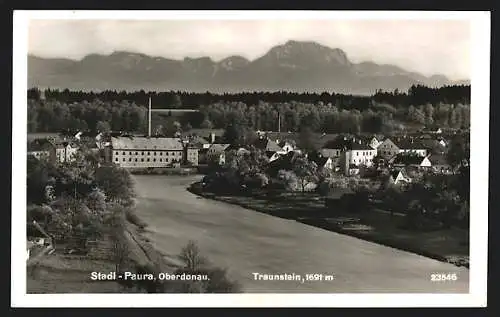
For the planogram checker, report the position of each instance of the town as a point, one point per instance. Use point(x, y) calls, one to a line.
point(378, 184)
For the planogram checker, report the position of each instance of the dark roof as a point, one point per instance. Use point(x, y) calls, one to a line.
point(408, 159)
point(362, 146)
point(409, 144)
point(346, 142)
point(437, 159)
point(317, 158)
point(39, 145)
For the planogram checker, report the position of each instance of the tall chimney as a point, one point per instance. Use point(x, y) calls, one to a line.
point(149, 118)
point(279, 122)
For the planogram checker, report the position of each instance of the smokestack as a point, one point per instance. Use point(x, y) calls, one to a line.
point(279, 122)
point(149, 118)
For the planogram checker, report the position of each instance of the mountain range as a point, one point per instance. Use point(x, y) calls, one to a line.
point(293, 66)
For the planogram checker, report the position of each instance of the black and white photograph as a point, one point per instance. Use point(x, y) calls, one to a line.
point(282, 158)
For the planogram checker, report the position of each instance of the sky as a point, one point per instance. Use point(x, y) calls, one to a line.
point(425, 46)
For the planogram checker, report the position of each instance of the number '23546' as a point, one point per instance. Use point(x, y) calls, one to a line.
point(443, 277)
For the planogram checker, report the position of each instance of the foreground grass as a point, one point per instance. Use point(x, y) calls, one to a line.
point(376, 226)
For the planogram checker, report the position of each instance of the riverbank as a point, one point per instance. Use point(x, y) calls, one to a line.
point(374, 226)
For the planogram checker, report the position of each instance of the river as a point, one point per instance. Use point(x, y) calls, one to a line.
point(247, 242)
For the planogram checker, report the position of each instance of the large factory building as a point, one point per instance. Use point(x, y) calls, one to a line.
point(144, 152)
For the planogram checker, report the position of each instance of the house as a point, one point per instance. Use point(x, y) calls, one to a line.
point(374, 142)
point(387, 149)
point(267, 145)
point(216, 153)
point(398, 177)
point(283, 162)
point(41, 149)
point(198, 142)
point(65, 151)
point(321, 161)
point(411, 159)
point(440, 163)
point(191, 155)
point(358, 154)
point(334, 148)
point(286, 146)
point(146, 152)
point(411, 145)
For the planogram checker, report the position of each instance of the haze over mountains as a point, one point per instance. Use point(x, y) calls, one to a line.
point(293, 66)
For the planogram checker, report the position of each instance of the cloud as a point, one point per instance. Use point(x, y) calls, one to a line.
point(426, 46)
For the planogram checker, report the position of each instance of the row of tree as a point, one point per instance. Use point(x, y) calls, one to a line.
point(97, 115)
point(416, 95)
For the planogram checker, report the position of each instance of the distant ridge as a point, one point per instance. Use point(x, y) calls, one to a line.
point(296, 66)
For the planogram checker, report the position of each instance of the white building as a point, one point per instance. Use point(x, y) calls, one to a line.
point(65, 152)
point(360, 154)
point(146, 152)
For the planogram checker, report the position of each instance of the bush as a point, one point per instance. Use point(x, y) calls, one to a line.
point(196, 263)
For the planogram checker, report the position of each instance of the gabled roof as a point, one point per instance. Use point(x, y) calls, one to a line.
point(267, 145)
point(218, 147)
point(394, 173)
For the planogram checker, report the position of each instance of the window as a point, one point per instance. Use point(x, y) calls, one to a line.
point(161, 160)
point(142, 160)
point(136, 154)
point(130, 160)
point(161, 153)
point(123, 153)
point(142, 153)
point(124, 159)
point(116, 159)
point(136, 160)
point(148, 153)
point(148, 159)
point(154, 153)
point(116, 152)
point(129, 153)
point(154, 160)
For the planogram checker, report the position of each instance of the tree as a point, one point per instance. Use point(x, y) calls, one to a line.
point(306, 140)
point(206, 124)
point(288, 179)
point(103, 127)
point(96, 201)
point(74, 181)
point(196, 263)
point(116, 183)
point(305, 171)
point(37, 180)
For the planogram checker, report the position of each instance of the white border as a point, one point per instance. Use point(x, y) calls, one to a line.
point(480, 79)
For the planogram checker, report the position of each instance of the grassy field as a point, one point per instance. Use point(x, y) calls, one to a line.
point(443, 245)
